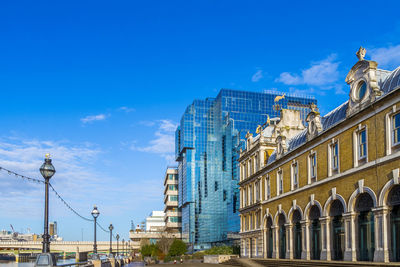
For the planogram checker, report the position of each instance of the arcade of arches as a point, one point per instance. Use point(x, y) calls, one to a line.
point(363, 228)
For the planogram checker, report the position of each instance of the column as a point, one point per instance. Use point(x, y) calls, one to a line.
point(381, 217)
point(289, 241)
point(275, 243)
point(305, 228)
point(325, 238)
point(350, 253)
point(264, 233)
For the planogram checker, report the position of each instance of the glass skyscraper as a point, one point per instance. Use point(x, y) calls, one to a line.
point(207, 144)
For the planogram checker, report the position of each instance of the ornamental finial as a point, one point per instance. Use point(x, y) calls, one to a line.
point(361, 53)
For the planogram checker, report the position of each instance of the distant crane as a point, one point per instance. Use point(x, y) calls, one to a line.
point(14, 234)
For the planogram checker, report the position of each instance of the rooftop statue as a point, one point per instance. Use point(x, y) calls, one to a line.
point(361, 53)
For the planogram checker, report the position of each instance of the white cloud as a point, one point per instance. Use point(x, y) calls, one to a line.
point(388, 57)
point(76, 179)
point(126, 109)
point(92, 118)
point(320, 73)
point(163, 142)
point(257, 76)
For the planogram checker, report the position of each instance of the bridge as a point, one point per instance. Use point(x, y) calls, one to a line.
point(67, 246)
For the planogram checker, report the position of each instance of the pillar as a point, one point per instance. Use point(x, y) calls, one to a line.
point(350, 253)
point(275, 243)
point(289, 241)
point(325, 238)
point(305, 228)
point(264, 247)
point(381, 217)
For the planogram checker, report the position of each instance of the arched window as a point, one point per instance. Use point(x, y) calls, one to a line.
point(315, 214)
point(282, 236)
point(394, 204)
point(338, 238)
point(269, 238)
point(366, 231)
point(296, 218)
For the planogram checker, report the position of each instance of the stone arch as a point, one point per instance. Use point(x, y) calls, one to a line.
point(356, 193)
point(265, 219)
point(382, 201)
point(329, 201)
point(292, 209)
point(276, 217)
point(308, 207)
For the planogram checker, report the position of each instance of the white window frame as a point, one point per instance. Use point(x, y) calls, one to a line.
point(309, 160)
point(267, 187)
point(279, 182)
point(257, 184)
point(245, 197)
point(257, 165)
point(390, 146)
point(251, 189)
point(356, 134)
point(331, 169)
point(294, 167)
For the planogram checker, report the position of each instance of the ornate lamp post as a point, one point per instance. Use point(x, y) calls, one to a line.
point(95, 214)
point(47, 170)
point(111, 227)
point(117, 237)
point(123, 247)
point(129, 247)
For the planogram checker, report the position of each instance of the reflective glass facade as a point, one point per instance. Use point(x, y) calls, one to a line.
point(208, 140)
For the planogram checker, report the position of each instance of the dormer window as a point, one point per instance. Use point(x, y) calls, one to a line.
point(361, 90)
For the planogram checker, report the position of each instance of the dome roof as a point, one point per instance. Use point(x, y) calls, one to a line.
point(391, 82)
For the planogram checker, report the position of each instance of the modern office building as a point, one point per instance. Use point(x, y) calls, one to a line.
point(172, 218)
point(331, 191)
point(208, 140)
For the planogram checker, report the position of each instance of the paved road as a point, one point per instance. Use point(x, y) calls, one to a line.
point(137, 264)
point(190, 265)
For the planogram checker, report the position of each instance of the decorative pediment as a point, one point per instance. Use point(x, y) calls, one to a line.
point(281, 147)
point(364, 88)
point(314, 126)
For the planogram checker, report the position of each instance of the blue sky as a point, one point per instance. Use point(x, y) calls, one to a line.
point(101, 85)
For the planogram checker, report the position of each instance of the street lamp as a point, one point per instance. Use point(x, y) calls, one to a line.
point(111, 227)
point(129, 248)
point(47, 170)
point(95, 214)
point(117, 237)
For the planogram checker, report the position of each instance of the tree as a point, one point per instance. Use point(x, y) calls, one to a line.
point(178, 248)
point(164, 244)
point(149, 250)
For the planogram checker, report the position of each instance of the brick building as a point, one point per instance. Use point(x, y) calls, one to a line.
point(328, 190)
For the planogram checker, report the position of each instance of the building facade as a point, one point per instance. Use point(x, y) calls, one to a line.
point(208, 140)
point(330, 192)
point(155, 221)
point(173, 216)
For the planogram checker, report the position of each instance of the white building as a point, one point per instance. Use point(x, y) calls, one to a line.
point(155, 222)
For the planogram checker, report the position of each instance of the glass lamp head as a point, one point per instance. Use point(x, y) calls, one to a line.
point(111, 227)
point(95, 212)
point(47, 169)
